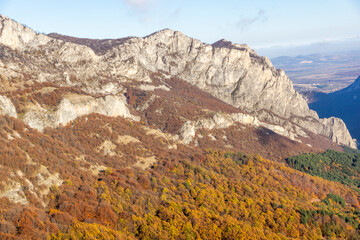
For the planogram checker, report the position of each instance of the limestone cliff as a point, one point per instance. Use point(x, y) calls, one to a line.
point(73, 106)
point(6, 107)
point(233, 73)
point(17, 36)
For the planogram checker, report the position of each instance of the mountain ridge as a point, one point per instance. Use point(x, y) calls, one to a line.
point(234, 74)
point(223, 44)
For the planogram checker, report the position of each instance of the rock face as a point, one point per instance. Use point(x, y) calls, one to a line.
point(6, 107)
point(73, 106)
point(233, 73)
point(17, 36)
point(335, 129)
point(222, 120)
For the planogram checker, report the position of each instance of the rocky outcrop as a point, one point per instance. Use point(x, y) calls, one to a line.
point(336, 129)
point(21, 38)
point(333, 128)
point(17, 36)
point(231, 72)
point(39, 186)
point(73, 106)
point(7, 107)
point(223, 120)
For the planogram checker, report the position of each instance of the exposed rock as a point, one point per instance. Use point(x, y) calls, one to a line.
point(158, 134)
point(344, 103)
point(145, 105)
point(38, 187)
point(107, 148)
point(13, 135)
point(46, 179)
point(336, 129)
point(152, 88)
point(73, 106)
point(235, 75)
point(17, 36)
point(15, 193)
point(7, 107)
point(127, 139)
point(231, 72)
point(222, 120)
point(144, 163)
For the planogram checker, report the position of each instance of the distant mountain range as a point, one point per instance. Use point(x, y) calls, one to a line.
point(321, 47)
point(321, 72)
point(344, 104)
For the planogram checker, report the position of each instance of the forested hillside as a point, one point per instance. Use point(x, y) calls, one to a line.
point(331, 165)
point(189, 193)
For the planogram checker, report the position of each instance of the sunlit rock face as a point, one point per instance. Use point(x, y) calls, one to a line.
point(7, 107)
point(74, 106)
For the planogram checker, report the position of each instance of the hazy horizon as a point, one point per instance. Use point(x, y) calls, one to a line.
point(325, 47)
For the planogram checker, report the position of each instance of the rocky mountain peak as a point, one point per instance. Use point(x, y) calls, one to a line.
point(223, 43)
point(17, 36)
point(165, 31)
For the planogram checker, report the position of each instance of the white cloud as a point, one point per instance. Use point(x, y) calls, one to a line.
point(247, 22)
point(140, 5)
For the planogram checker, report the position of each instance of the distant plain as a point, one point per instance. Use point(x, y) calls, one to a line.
point(321, 72)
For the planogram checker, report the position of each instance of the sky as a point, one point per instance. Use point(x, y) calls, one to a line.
point(269, 26)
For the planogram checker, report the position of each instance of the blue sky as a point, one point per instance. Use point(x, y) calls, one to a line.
point(259, 23)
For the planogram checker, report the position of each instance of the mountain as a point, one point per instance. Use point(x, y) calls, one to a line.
point(344, 104)
point(160, 137)
point(228, 71)
point(231, 72)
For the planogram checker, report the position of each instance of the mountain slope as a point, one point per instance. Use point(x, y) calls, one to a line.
point(119, 143)
point(344, 104)
point(92, 179)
